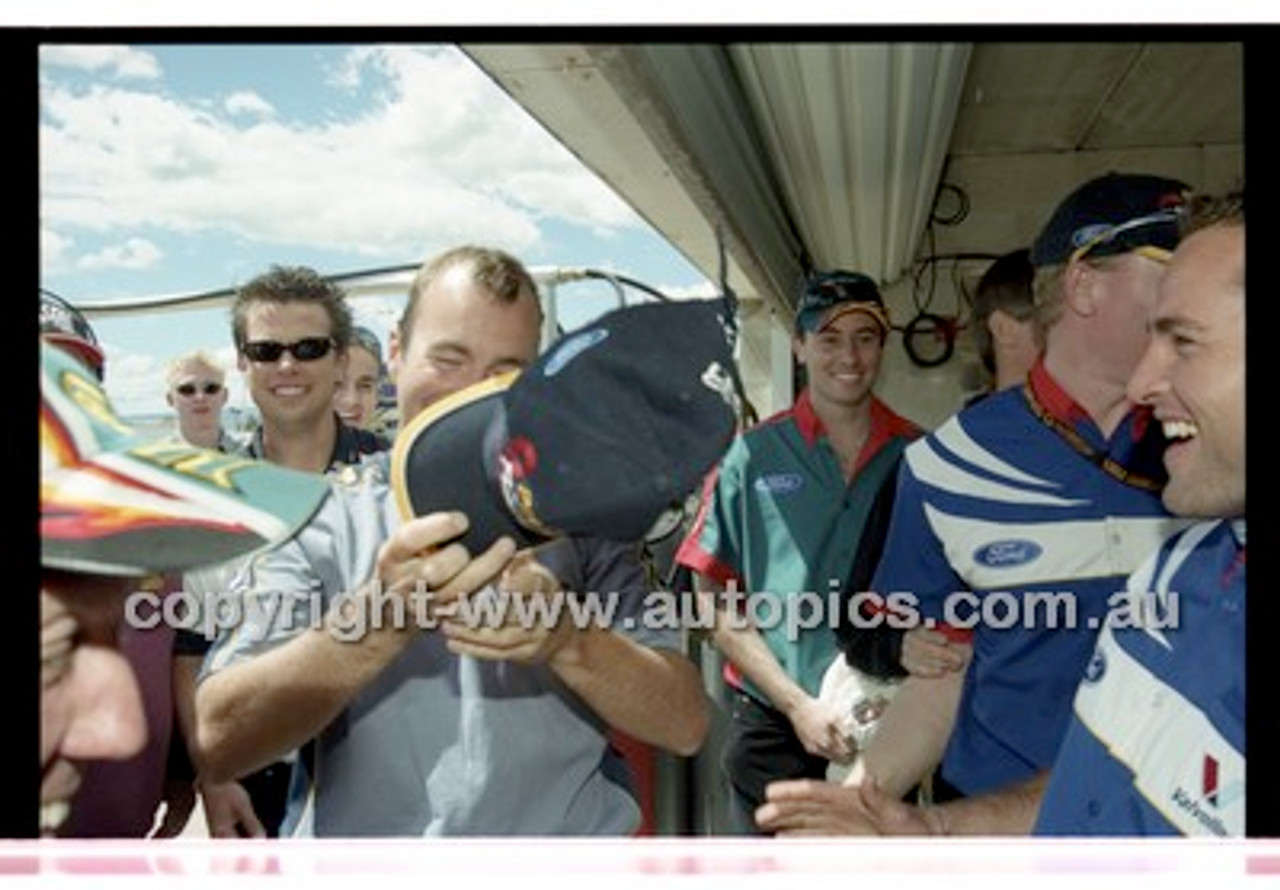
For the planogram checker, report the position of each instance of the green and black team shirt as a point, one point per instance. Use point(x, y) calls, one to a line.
point(779, 524)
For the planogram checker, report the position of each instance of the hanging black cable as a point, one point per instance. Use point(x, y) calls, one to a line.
point(929, 338)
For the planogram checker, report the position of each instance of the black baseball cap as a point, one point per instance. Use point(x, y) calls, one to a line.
point(1113, 214)
point(853, 291)
point(614, 424)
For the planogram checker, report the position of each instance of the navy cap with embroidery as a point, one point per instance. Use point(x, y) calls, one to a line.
point(611, 426)
point(852, 291)
point(1113, 214)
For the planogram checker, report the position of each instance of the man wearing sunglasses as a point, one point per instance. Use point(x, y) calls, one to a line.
point(197, 392)
point(1050, 488)
point(290, 326)
point(291, 329)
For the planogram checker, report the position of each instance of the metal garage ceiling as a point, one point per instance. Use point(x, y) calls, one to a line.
point(1040, 97)
point(831, 154)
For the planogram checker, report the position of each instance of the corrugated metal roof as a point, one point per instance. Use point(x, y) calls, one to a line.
point(831, 154)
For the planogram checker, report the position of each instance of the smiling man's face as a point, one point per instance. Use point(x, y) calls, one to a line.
point(1193, 373)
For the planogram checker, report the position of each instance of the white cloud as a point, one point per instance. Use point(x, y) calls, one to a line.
point(437, 155)
point(54, 249)
point(131, 382)
point(247, 102)
point(133, 253)
point(123, 62)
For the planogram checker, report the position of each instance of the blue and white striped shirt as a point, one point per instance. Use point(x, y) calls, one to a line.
point(1001, 524)
point(1156, 743)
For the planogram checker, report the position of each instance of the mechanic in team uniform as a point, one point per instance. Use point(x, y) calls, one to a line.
point(1157, 743)
point(786, 515)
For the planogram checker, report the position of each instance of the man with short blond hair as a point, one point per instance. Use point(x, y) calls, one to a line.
point(196, 389)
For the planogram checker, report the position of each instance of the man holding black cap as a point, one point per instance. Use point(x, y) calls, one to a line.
point(1051, 489)
point(782, 517)
point(423, 724)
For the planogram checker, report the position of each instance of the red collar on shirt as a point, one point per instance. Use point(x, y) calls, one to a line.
point(885, 425)
point(1133, 453)
point(1050, 394)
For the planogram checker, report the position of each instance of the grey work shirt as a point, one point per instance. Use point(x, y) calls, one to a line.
point(440, 744)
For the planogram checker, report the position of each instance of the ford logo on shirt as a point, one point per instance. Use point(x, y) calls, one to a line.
point(1004, 554)
point(779, 483)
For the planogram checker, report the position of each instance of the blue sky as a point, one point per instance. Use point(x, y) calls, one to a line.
point(189, 168)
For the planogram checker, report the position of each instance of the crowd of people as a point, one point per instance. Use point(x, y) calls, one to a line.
point(1104, 463)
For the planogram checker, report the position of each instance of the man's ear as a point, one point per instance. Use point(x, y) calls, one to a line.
point(1001, 325)
point(797, 345)
point(1078, 282)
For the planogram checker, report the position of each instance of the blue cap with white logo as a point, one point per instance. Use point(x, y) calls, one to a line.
point(614, 424)
point(1113, 214)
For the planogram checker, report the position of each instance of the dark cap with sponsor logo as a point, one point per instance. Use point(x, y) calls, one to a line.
point(1113, 214)
point(850, 291)
point(611, 426)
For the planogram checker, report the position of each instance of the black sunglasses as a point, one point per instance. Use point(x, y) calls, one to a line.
point(189, 389)
point(308, 349)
